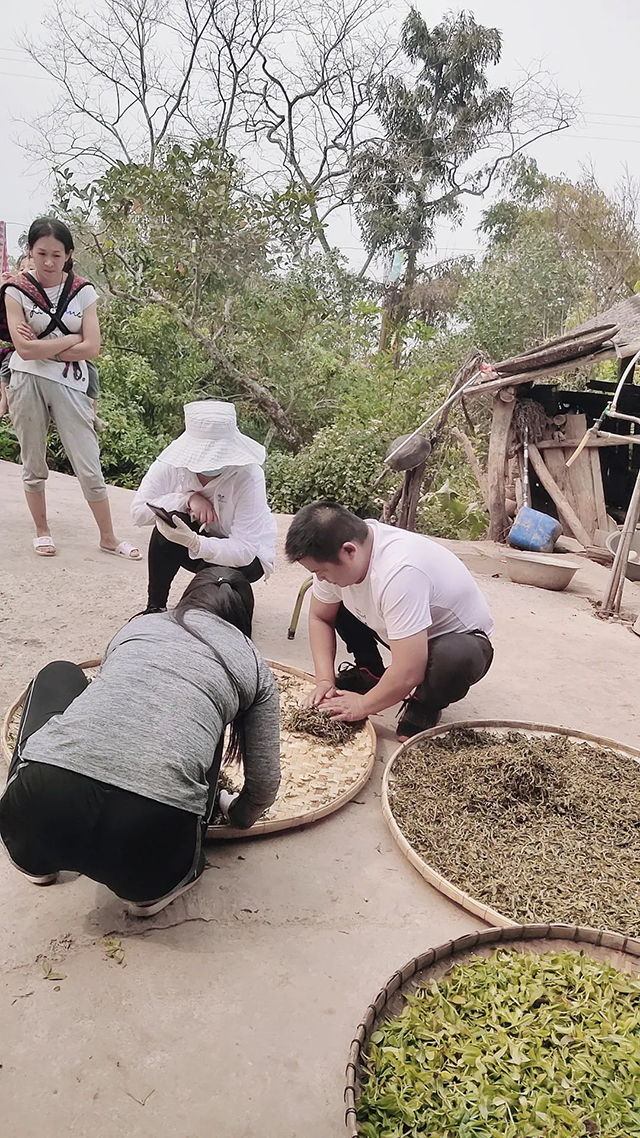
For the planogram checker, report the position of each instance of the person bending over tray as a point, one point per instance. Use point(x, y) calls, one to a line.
point(375, 584)
point(116, 779)
point(206, 494)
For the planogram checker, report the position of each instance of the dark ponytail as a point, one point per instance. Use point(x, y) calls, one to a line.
point(51, 227)
point(227, 594)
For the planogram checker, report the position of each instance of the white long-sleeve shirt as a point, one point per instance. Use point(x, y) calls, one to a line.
point(246, 527)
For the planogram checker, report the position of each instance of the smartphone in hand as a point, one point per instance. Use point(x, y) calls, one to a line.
point(162, 514)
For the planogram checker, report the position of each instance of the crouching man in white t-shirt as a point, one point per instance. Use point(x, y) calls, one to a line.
point(375, 584)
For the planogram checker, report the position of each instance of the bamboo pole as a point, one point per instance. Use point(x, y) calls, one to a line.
point(612, 599)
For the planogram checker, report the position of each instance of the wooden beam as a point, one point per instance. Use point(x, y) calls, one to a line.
point(467, 446)
point(494, 385)
point(577, 482)
point(565, 509)
point(598, 488)
point(594, 441)
point(496, 481)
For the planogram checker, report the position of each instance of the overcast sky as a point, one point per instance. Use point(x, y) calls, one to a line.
point(591, 47)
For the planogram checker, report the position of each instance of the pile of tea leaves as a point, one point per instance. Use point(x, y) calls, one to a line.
point(312, 721)
point(540, 828)
point(516, 1045)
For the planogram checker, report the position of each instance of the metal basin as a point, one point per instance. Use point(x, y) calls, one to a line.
point(612, 542)
point(544, 570)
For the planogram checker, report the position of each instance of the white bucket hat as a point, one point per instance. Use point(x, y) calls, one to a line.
point(211, 440)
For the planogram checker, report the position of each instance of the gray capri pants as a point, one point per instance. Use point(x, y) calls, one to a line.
point(33, 403)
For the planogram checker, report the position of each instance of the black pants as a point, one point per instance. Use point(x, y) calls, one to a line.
point(166, 557)
point(456, 660)
point(53, 819)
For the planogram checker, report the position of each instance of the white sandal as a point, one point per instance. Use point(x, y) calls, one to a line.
point(46, 542)
point(124, 549)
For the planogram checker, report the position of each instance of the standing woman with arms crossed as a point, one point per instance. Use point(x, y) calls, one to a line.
point(49, 381)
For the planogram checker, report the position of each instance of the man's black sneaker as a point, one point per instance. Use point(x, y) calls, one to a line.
point(352, 678)
point(415, 718)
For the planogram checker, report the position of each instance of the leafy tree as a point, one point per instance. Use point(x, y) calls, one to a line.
point(186, 235)
point(598, 230)
point(522, 294)
point(446, 134)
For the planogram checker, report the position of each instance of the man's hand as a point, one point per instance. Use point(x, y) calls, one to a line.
point(202, 510)
point(181, 535)
point(346, 707)
point(324, 690)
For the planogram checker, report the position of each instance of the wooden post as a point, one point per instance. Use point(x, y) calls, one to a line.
point(566, 511)
point(503, 408)
point(408, 506)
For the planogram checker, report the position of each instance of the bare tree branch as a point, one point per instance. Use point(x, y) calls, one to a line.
point(127, 69)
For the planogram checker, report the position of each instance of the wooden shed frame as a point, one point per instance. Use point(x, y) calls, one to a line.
point(614, 334)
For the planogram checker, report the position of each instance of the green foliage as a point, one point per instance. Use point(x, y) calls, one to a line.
point(307, 330)
point(596, 232)
point(341, 463)
point(522, 294)
point(447, 513)
point(186, 228)
point(9, 445)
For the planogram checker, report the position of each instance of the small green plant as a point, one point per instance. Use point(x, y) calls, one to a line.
point(444, 513)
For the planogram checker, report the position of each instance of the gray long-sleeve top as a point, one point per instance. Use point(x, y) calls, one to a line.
point(151, 720)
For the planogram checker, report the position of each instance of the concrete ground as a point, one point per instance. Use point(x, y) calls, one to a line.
point(232, 1012)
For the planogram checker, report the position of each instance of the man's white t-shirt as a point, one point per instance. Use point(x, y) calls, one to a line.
point(76, 377)
point(412, 584)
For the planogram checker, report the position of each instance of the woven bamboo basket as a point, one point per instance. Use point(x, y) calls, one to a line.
point(465, 900)
point(623, 952)
point(307, 793)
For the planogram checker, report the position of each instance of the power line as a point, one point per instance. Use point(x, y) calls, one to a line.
point(23, 75)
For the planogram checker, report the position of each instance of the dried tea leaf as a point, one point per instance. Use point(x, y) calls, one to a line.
point(49, 973)
point(313, 721)
point(540, 828)
point(113, 949)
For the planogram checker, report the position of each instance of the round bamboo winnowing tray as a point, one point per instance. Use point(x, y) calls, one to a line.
point(620, 951)
point(317, 778)
point(472, 904)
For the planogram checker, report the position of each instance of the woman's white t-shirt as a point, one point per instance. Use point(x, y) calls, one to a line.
point(75, 377)
point(413, 584)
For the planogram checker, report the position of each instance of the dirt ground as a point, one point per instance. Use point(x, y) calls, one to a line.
point(232, 1012)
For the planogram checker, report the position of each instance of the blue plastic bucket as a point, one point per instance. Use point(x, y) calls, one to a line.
point(534, 531)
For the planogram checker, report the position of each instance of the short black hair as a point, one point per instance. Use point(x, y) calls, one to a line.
point(321, 529)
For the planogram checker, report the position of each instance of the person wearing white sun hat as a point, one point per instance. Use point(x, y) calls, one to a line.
point(211, 483)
